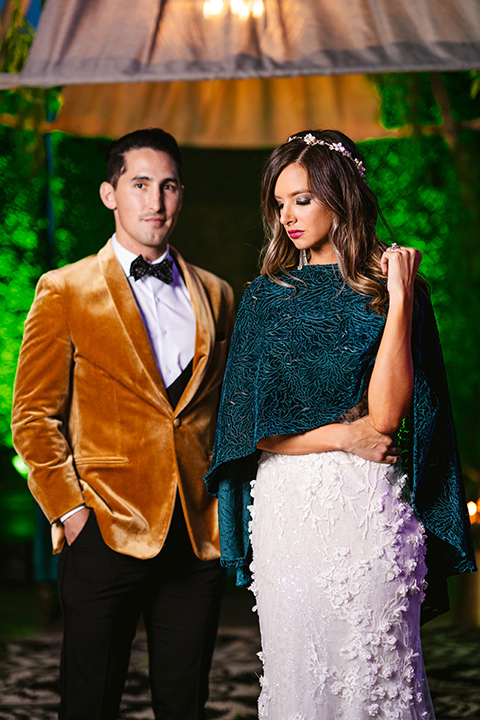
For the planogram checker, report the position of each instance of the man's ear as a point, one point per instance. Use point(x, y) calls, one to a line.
point(107, 194)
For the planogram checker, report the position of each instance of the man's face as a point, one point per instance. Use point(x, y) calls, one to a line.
point(146, 202)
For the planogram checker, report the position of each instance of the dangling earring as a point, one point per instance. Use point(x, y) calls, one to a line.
point(302, 259)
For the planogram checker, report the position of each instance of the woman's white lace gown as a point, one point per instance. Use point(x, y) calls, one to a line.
point(338, 565)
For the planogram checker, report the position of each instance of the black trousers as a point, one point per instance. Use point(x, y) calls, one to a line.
point(103, 593)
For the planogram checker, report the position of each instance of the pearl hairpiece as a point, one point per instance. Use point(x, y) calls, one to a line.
point(310, 139)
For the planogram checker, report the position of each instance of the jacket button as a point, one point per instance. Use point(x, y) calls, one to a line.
point(177, 422)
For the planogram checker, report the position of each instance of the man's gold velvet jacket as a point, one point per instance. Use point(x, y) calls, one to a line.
point(91, 416)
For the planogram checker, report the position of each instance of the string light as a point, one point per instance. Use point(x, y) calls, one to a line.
point(257, 8)
point(474, 511)
point(211, 8)
point(243, 9)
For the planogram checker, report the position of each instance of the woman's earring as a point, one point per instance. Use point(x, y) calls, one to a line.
point(302, 259)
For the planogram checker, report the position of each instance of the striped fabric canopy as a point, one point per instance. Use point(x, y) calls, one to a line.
point(239, 72)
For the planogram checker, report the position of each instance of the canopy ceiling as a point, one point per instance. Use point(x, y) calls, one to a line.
point(239, 72)
point(225, 113)
point(105, 41)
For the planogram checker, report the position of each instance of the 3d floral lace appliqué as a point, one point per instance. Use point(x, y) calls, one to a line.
point(338, 566)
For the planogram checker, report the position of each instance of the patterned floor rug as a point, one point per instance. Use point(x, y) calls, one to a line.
point(29, 667)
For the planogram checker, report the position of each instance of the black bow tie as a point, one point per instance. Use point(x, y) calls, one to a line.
point(163, 271)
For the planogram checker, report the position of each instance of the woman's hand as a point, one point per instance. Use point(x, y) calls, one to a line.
point(361, 438)
point(400, 266)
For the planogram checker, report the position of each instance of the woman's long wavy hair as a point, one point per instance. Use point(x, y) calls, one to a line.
point(337, 183)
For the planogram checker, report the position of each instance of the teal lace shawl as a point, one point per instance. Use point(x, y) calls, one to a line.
point(301, 357)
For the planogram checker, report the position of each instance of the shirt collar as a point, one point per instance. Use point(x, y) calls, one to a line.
point(126, 257)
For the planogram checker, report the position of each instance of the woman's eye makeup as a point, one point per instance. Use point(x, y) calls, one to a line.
point(299, 201)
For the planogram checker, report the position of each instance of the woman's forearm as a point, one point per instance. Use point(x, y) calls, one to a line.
point(322, 439)
point(391, 384)
point(359, 438)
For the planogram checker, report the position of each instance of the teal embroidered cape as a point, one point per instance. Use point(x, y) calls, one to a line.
point(301, 357)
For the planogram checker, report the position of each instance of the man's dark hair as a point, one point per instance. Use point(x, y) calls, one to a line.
point(153, 138)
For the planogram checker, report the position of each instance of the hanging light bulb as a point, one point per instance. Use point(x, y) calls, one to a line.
point(257, 8)
point(212, 8)
point(241, 8)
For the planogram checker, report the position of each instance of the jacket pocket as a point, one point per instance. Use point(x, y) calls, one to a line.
point(83, 532)
point(99, 461)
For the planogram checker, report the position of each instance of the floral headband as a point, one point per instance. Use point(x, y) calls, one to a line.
point(310, 139)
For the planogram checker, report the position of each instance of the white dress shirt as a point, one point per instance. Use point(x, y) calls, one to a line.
point(167, 314)
point(168, 317)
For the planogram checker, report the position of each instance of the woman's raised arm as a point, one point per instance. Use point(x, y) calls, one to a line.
point(391, 385)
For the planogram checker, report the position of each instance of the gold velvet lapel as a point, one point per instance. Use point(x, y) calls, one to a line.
point(205, 330)
point(132, 322)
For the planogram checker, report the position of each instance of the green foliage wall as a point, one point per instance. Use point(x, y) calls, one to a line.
point(23, 254)
point(82, 223)
point(420, 195)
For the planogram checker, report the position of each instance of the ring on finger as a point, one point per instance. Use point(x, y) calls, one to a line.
point(393, 247)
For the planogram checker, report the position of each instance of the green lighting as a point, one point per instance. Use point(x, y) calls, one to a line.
point(22, 258)
point(20, 466)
